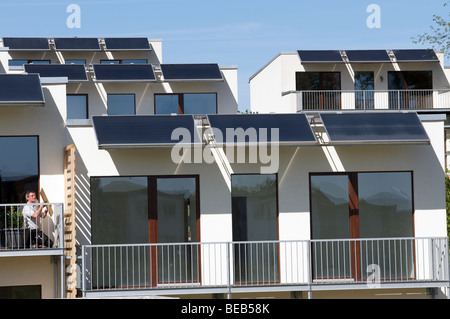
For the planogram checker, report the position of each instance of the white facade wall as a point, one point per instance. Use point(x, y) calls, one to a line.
point(272, 87)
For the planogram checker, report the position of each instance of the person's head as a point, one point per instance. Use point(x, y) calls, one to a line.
point(31, 196)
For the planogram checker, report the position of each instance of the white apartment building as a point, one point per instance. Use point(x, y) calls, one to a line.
point(157, 186)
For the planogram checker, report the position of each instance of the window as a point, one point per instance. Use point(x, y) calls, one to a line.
point(148, 209)
point(21, 292)
point(19, 167)
point(410, 89)
point(358, 206)
point(77, 106)
point(327, 85)
point(129, 61)
point(75, 62)
point(20, 63)
point(187, 103)
point(121, 104)
point(364, 90)
point(255, 218)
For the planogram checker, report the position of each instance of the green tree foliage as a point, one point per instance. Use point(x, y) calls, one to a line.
point(439, 35)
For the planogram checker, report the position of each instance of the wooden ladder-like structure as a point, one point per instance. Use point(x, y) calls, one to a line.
point(69, 222)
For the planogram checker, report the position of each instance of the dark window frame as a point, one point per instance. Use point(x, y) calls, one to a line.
point(181, 103)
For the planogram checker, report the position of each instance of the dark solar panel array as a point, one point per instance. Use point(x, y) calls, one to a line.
point(20, 88)
point(26, 44)
point(374, 127)
point(292, 128)
point(74, 72)
point(124, 72)
point(118, 44)
point(320, 56)
point(77, 44)
point(413, 55)
point(191, 72)
point(144, 131)
point(367, 56)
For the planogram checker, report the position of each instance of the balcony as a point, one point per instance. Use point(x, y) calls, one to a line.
point(19, 239)
point(195, 268)
point(336, 100)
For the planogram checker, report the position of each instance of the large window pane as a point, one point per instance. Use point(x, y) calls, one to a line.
point(200, 103)
point(364, 87)
point(330, 220)
point(166, 104)
point(410, 89)
point(77, 107)
point(254, 213)
point(177, 223)
point(321, 90)
point(120, 216)
point(19, 167)
point(386, 211)
point(121, 104)
point(330, 207)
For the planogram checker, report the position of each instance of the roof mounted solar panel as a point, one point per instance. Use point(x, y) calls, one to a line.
point(77, 44)
point(20, 89)
point(367, 56)
point(415, 55)
point(320, 56)
point(26, 44)
point(127, 44)
point(124, 72)
point(144, 131)
point(191, 72)
point(381, 128)
point(248, 129)
point(73, 72)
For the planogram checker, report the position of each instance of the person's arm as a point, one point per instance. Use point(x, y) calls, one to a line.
point(38, 212)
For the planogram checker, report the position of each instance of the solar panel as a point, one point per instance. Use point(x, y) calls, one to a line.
point(191, 72)
point(364, 56)
point(124, 72)
point(20, 89)
point(74, 72)
point(374, 128)
point(320, 56)
point(413, 55)
point(26, 44)
point(120, 44)
point(77, 44)
point(140, 131)
point(293, 129)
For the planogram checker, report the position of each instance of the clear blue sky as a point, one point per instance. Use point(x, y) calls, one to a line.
point(245, 33)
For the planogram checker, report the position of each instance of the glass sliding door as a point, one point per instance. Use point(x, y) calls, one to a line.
point(255, 219)
point(359, 220)
point(320, 90)
point(385, 211)
point(364, 90)
point(128, 212)
point(120, 216)
point(410, 89)
point(330, 220)
point(177, 223)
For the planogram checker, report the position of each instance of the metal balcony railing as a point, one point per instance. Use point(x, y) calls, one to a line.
point(333, 100)
point(18, 233)
point(235, 265)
